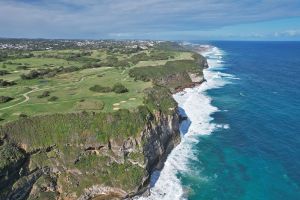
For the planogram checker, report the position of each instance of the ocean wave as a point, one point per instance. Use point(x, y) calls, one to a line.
point(196, 105)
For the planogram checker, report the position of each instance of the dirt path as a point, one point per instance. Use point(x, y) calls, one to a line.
point(25, 95)
point(36, 89)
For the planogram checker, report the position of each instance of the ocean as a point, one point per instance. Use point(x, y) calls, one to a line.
point(242, 137)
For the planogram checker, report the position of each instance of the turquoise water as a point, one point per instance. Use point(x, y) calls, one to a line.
point(258, 156)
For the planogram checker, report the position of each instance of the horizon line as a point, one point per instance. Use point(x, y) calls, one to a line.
point(140, 39)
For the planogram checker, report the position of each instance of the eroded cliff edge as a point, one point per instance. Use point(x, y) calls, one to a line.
point(85, 166)
point(88, 155)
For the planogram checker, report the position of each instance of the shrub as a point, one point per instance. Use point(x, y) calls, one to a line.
point(123, 63)
point(4, 83)
point(159, 98)
point(3, 72)
point(22, 115)
point(159, 74)
point(22, 67)
point(160, 55)
point(69, 69)
point(139, 57)
point(99, 88)
point(40, 73)
point(31, 75)
point(119, 88)
point(60, 128)
point(4, 99)
point(44, 94)
point(10, 155)
point(53, 98)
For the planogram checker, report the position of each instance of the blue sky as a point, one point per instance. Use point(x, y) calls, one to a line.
point(152, 19)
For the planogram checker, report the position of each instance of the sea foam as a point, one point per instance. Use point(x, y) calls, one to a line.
point(196, 105)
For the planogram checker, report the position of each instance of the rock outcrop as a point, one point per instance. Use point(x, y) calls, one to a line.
point(156, 141)
point(46, 173)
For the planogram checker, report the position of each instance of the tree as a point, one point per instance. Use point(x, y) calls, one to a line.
point(119, 88)
point(99, 88)
point(53, 98)
point(44, 94)
point(4, 99)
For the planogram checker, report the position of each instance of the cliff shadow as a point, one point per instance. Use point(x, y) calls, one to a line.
point(185, 122)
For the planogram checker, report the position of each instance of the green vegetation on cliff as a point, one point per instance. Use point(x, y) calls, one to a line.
point(77, 128)
point(78, 115)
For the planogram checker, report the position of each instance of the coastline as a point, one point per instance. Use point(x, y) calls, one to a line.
point(165, 183)
point(157, 135)
point(145, 191)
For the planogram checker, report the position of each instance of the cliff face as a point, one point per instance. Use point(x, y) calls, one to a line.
point(62, 175)
point(159, 136)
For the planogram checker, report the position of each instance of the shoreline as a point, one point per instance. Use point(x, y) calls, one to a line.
point(156, 125)
point(189, 99)
point(140, 195)
point(192, 85)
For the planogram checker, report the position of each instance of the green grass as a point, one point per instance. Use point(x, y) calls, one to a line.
point(72, 88)
point(46, 130)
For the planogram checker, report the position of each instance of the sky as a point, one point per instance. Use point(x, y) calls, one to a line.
point(151, 19)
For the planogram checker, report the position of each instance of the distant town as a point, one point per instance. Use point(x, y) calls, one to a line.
point(58, 44)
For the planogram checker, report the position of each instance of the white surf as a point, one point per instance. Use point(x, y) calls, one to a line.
point(196, 105)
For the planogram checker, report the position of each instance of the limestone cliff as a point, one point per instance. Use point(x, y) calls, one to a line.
point(53, 173)
point(157, 139)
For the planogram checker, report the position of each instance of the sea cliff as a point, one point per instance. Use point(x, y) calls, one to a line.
point(88, 155)
point(46, 172)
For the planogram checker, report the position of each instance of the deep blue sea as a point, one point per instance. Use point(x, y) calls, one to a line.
point(258, 156)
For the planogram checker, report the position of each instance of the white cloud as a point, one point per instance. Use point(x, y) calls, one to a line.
point(288, 33)
point(103, 18)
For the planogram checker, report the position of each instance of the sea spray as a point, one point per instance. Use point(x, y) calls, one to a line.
point(196, 105)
